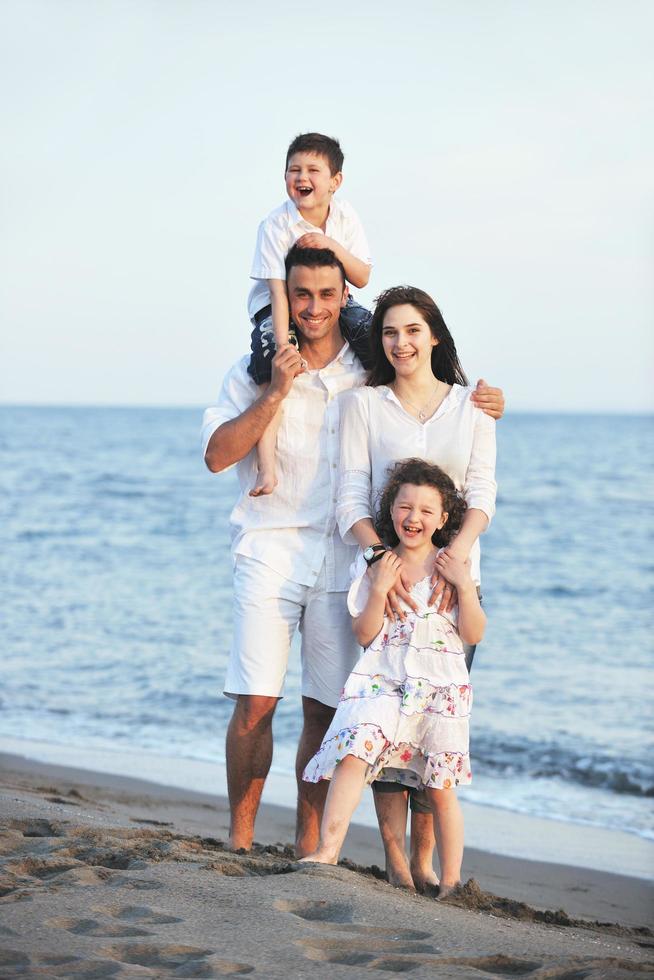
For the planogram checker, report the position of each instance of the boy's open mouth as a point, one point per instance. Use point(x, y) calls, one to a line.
point(305, 191)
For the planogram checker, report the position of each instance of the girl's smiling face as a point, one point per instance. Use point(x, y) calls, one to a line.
point(407, 339)
point(417, 512)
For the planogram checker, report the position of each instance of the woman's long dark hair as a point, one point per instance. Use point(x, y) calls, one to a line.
point(444, 359)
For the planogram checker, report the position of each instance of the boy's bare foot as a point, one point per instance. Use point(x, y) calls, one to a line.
point(266, 483)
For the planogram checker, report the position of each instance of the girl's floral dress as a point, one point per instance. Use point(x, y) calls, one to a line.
point(405, 706)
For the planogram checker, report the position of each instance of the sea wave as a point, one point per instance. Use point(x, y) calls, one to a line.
point(532, 758)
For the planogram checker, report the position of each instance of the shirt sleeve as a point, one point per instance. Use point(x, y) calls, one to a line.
point(359, 590)
point(353, 503)
point(355, 240)
point(238, 392)
point(480, 488)
point(270, 251)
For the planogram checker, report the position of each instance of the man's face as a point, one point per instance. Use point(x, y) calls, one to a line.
point(316, 297)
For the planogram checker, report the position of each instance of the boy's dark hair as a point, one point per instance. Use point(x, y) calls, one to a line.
point(313, 258)
point(420, 474)
point(324, 146)
point(445, 361)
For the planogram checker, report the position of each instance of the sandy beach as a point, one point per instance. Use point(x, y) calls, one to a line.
point(110, 876)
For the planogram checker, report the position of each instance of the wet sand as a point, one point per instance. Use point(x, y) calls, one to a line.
point(113, 876)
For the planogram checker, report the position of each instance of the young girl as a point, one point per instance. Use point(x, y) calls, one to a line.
point(403, 715)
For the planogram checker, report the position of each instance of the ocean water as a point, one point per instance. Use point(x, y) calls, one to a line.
point(115, 622)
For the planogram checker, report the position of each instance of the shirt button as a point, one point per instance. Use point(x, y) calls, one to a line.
point(333, 466)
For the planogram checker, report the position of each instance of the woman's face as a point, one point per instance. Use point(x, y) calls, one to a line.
point(407, 340)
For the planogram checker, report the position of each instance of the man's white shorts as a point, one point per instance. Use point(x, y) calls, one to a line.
point(267, 611)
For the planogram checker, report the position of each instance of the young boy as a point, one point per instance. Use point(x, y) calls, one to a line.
point(313, 219)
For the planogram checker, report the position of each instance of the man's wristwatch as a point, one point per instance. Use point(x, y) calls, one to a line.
point(373, 553)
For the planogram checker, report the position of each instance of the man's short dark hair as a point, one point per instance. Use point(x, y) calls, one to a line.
point(324, 146)
point(313, 258)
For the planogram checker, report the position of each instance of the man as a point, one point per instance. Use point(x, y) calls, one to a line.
point(290, 562)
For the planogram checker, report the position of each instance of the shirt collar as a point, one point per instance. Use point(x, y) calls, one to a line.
point(295, 218)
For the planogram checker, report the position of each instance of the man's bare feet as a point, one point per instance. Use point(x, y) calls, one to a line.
point(266, 483)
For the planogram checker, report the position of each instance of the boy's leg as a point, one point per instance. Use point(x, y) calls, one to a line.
point(267, 610)
point(343, 797)
point(391, 801)
point(354, 322)
point(266, 458)
point(262, 347)
point(448, 829)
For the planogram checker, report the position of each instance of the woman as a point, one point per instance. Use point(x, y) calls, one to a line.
point(417, 403)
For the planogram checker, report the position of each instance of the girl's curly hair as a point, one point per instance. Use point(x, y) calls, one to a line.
point(420, 474)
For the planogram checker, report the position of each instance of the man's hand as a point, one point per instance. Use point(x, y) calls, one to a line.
point(285, 367)
point(489, 400)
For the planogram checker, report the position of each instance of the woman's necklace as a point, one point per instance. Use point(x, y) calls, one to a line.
point(424, 411)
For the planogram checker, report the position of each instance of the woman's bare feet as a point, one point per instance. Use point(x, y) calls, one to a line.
point(425, 879)
point(447, 889)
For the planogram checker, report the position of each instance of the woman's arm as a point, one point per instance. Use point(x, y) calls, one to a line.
point(479, 490)
point(471, 617)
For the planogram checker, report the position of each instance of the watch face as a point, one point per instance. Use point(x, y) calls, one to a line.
point(368, 553)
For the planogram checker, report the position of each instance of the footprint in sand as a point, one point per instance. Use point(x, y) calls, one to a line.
point(139, 913)
point(376, 947)
point(95, 927)
point(177, 961)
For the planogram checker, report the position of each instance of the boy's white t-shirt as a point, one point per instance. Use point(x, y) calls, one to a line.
point(282, 228)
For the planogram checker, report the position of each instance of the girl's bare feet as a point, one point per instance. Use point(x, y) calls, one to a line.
point(319, 857)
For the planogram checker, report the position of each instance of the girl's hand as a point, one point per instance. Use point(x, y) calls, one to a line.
point(385, 572)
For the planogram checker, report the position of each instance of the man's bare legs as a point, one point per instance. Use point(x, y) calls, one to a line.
point(391, 809)
point(310, 796)
point(345, 789)
point(448, 828)
point(249, 754)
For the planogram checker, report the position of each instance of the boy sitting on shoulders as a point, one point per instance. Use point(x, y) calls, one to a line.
point(312, 219)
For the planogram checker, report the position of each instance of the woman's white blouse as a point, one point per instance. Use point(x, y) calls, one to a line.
point(376, 432)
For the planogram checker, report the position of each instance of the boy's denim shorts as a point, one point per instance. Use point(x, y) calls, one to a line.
point(354, 323)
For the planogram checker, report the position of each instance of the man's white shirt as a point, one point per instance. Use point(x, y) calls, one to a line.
point(293, 530)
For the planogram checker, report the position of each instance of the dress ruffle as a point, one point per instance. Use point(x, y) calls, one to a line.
point(405, 707)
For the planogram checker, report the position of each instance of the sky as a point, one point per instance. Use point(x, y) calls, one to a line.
point(500, 155)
